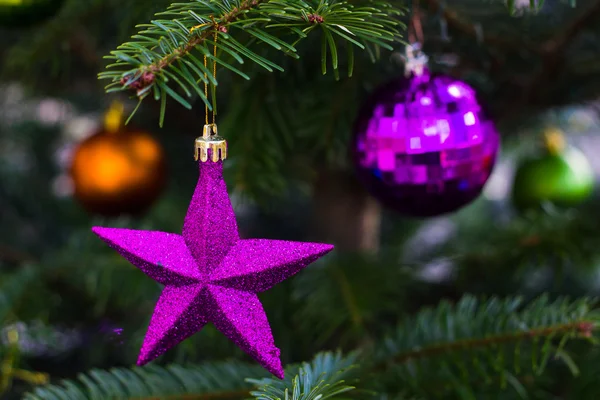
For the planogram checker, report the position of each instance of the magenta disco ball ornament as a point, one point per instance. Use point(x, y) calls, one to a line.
point(423, 145)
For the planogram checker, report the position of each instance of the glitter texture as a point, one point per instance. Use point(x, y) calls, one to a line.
point(210, 274)
point(424, 146)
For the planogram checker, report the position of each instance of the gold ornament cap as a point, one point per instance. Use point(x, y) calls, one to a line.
point(210, 140)
point(113, 119)
point(554, 140)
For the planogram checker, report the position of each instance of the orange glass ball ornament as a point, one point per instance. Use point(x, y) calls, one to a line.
point(118, 171)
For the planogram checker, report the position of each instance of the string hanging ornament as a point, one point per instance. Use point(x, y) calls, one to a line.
point(210, 141)
point(423, 145)
point(211, 275)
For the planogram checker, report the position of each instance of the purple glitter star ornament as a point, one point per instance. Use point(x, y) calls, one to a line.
point(423, 145)
point(210, 274)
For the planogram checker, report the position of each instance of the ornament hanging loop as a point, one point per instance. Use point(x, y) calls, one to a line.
point(210, 145)
point(415, 60)
point(216, 28)
point(415, 28)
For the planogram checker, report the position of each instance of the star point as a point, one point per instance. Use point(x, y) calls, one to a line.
point(178, 315)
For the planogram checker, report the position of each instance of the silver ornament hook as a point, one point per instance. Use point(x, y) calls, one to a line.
point(415, 61)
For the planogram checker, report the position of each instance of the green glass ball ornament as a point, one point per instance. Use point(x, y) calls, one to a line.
point(25, 13)
point(560, 175)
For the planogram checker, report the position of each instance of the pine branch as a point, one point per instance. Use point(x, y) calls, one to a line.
point(202, 382)
point(580, 328)
point(321, 379)
point(552, 239)
point(337, 305)
point(456, 21)
point(587, 385)
point(291, 135)
point(484, 342)
point(35, 60)
point(553, 51)
point(559, 43)
point(165, 57)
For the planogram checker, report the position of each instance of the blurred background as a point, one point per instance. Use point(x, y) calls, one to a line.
point(69, 304)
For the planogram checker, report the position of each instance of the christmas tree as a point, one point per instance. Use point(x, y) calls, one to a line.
point(491, 296)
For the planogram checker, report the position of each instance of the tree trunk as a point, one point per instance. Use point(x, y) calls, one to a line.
point(345, 214)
